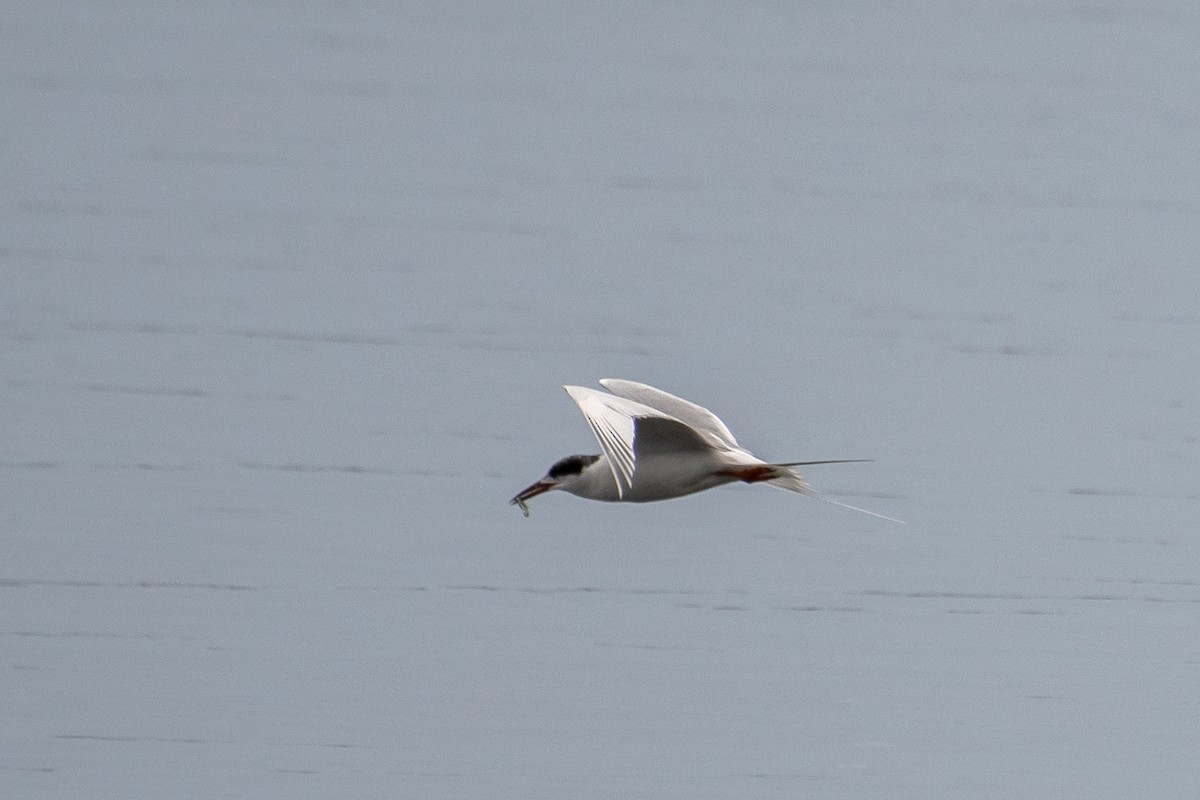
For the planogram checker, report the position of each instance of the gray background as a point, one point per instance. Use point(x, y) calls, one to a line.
point(286, 295)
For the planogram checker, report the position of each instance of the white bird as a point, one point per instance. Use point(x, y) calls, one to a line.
point(657, 446)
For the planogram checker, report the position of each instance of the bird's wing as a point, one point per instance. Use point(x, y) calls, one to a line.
point(690, 414)
point(621, 425)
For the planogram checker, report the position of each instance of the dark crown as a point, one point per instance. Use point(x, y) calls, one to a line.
point(571, 465)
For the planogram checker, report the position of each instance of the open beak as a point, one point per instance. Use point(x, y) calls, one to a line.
point(541, 487)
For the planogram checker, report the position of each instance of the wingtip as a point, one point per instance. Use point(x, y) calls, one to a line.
point(607, 383)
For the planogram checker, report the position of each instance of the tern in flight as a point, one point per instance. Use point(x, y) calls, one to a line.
point(656, 446)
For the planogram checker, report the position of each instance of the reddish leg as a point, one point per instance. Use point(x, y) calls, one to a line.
point(753, 474)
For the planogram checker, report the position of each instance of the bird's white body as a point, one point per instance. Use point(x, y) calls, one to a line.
point(652, 453)
point(656, 446)
point(656, 478)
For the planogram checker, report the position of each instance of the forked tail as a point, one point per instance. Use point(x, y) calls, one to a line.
point(826, 498)
point(790, 480)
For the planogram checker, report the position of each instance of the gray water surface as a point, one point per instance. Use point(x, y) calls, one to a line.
point(286, 296)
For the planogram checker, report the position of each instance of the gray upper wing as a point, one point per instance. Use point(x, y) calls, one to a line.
point(657, 436)
point(689, 413)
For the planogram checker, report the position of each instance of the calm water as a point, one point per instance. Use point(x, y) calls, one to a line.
point(286, 296)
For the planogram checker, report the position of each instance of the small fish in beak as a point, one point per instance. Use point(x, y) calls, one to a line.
point(541, 487)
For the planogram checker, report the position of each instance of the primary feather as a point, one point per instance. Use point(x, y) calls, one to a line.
point(686, 412)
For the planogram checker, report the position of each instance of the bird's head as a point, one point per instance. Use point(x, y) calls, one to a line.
point(562, 475)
